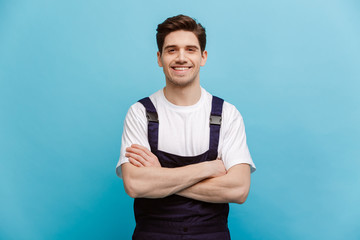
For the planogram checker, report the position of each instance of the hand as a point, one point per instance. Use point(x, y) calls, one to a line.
point(140, 156)
point(218, 167)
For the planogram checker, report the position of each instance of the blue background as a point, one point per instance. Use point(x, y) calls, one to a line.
point(69, 70)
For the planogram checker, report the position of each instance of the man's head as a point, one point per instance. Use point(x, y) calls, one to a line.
point(181, 43)
point(180, 22)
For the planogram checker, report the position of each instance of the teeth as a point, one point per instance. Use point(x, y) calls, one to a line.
point(181, 68)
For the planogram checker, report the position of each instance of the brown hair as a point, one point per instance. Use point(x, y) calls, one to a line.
point(180, 22)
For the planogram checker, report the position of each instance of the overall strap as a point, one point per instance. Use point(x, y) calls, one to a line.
point(153, 123)
point(215, 123)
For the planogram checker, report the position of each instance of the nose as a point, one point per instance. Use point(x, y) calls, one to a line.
point(181, 58)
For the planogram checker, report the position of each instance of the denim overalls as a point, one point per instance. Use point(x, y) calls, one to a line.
point(175, 217)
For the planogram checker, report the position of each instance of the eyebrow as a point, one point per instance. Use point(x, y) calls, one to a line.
point(188, 46)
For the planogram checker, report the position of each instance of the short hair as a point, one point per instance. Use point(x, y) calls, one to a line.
point(180, 22)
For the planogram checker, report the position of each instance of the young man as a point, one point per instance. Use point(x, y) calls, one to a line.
point(184, 155)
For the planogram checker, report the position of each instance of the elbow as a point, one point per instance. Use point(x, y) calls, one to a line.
point(241, 199)
point(131, 193)
point(130, 188)
point(239, 196)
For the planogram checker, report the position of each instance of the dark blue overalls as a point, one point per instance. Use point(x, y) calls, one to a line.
point(175, 217)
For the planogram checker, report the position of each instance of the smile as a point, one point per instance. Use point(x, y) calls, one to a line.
point(181, 68)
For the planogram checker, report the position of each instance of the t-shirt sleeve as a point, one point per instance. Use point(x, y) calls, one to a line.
point(234, 147)
point(134, 132)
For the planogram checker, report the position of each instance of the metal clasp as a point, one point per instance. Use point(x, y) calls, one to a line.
point(152, 117)
point(215, 120)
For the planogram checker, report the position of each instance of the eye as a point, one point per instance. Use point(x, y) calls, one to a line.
point(191, 50)
point(171, 50)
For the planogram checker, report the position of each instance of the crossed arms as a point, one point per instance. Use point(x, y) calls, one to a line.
point(206, 181)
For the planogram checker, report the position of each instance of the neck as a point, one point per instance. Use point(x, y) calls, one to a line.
point(183, 95)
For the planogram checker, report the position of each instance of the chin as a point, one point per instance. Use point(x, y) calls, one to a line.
point(182, 83)
point(179, 82)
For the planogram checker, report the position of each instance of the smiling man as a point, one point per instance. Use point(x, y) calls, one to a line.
point(183, 155)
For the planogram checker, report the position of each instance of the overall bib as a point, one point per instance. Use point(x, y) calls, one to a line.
point(175, 217)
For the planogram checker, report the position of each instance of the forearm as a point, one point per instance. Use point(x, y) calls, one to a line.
point(158, 182)
point(232, 187)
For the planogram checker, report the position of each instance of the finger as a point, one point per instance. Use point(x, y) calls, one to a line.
point(135, 163)
point(138, 152)
point(147, 151)
point(137, 158)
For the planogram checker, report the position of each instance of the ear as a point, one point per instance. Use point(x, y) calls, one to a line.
point(159, 59)
point(203, 58)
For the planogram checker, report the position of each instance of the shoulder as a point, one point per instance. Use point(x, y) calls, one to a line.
point(137, 110)
point(229, 111)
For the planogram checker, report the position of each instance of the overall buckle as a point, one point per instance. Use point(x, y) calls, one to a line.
point(215, 120)
point(152, 117)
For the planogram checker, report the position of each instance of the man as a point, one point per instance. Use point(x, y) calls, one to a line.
point(184, 155)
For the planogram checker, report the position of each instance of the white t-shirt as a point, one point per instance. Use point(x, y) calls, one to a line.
point(185, 131)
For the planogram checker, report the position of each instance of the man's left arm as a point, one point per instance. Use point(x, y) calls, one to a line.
point(232, 187)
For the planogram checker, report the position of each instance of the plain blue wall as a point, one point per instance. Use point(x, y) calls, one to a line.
point(69, 70)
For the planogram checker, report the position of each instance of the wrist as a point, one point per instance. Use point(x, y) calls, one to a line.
point(210, 169)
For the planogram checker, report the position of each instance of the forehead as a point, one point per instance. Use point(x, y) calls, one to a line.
point(181, 38)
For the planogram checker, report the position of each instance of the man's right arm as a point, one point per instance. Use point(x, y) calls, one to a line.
point(159, 182)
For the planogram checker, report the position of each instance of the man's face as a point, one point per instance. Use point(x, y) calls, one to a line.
point(181, 58)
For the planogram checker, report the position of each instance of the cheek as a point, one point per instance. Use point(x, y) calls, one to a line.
point(165, 62)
